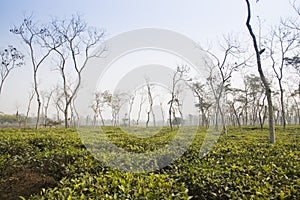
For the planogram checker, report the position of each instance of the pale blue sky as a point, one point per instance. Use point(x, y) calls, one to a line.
point(202, 21)
point(195, 18)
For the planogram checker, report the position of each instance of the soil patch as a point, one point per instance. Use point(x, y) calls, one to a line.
point(25, 182)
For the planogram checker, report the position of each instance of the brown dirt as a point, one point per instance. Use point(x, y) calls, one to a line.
point(24, 182)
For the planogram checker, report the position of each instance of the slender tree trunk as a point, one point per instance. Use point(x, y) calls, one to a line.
point(150, 99)
point(140, 110)
point(38, 99)
point(246, 111)
point(170, 115)
point(76, 115)
point(204, 119)
point(28, 108)
point(57, 112)
point(236, 115)
point(66, 118)
point(129, 114)
point(153, 116)
point(94, 120)
point(262, 76)
point(101, 117)
point(297, 111)
point(260, 111)
point(260, 121)
point(282, 105)
point(162, 114)
point(222, 118)
point(148, 118)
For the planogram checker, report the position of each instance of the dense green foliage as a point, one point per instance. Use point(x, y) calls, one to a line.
point(242, 165)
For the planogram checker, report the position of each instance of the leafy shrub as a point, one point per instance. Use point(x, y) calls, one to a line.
point(242, 165)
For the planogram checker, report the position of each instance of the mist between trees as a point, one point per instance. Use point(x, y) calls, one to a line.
point(236, 91)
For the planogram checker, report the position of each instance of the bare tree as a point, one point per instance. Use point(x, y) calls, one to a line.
point(131, 98)
point(254, 91)
point(11, 59)
point(204, 102)
point(95, 107)
point(73, 41)
point(175, 90)
point(57, 99)
point(236, 105)
point(98, 106)
point(245, 97)
point(262, 76)
point(74, 112)
point(282, 42)
point(116, 104)
point(293, 23)
point(142, 101)
point(227, 64)
point(253, 99)
point(34, 35)
point(296, 106)
point(262, 112)
point(150, 100)
point(296, 8)
point(162, 113)
point(115, 101)
point(46, 97)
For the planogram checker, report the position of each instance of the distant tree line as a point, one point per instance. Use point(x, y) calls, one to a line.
point(269, 97)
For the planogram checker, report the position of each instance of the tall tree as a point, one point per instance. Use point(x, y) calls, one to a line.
point(72, 40)
point(255, 92)
point(11, 59)
point(131, 98)
point(33, 36)
point(115, 102)
point(149, 87)
point(282, 42)
point(98, 106)
point(142, 101)
point(175, 90)
point(203, 104)
point(226, 65)
point(235, 105)
point(261, 74)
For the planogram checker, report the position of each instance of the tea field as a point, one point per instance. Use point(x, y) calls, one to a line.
point(53, 163)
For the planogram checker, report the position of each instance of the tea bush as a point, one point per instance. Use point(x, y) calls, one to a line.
point(242, 165)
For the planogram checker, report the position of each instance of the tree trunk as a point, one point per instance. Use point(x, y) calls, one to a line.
point(140, 110)
point(162, 114)
point(170, 115)
point(37, 99)
point(224, 128)
point(236, 115)
point(262, 76)
point(28, 108)
point(66, 117)
point(282, 106)
point(101, 117)
point(148, 118)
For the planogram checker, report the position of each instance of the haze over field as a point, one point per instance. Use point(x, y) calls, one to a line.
point(204, 22)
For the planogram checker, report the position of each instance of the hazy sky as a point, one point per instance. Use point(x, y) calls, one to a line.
point(202, 21)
